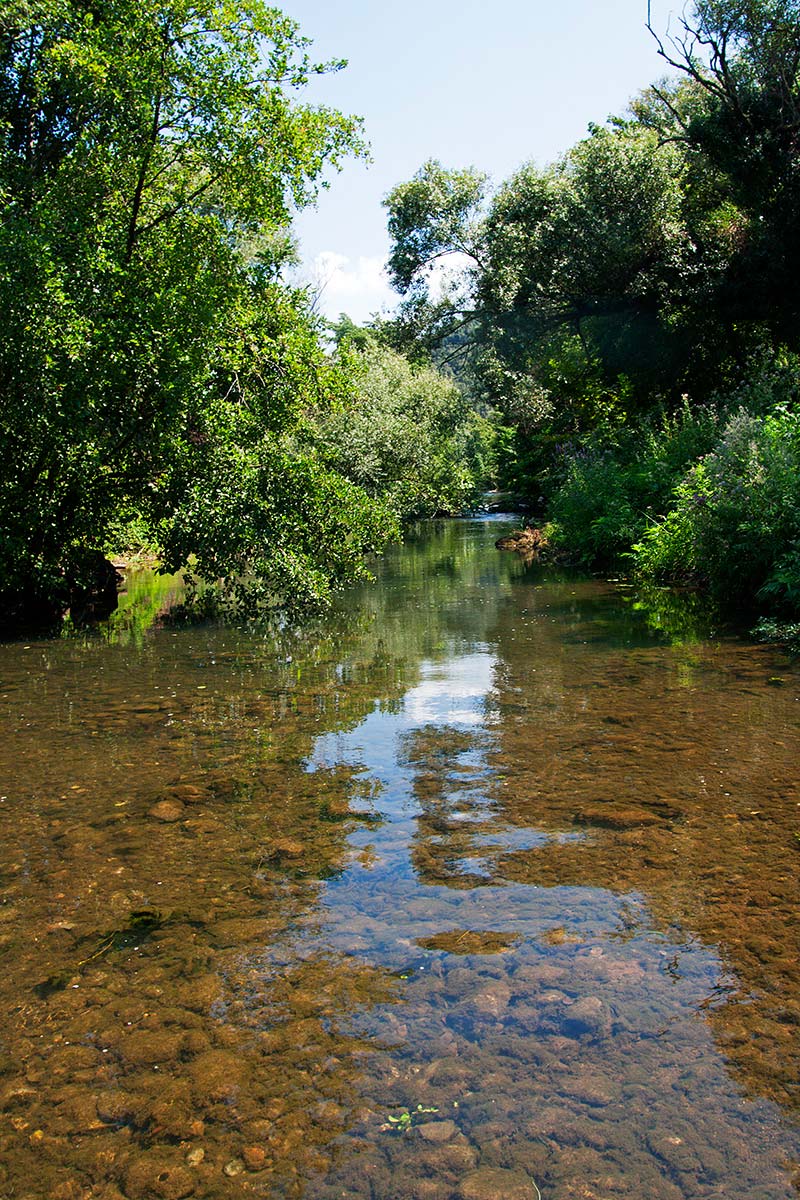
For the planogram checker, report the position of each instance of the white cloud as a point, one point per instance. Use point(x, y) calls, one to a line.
point(358, 287)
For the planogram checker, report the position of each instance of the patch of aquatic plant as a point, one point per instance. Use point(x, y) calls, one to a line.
point(470, 941)
point(408, 1118)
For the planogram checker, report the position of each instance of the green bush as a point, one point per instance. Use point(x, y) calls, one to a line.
point(735, 519)
point(591, 511)
point(613, 485)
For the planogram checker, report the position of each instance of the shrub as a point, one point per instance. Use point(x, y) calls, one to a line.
point(735, 520)
point(612, 485)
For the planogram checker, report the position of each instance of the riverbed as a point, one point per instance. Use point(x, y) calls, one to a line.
point(484, 887)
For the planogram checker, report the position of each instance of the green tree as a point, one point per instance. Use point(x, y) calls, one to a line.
point(151, 155)
point(434, 219)
point(592, 246)
point(578, 274)
point(407, 435)
point(433, 215)
point(741, 59)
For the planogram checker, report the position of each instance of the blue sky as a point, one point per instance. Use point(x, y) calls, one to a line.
point(490, 84)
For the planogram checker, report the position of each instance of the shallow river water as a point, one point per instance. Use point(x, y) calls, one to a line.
point(484, 888)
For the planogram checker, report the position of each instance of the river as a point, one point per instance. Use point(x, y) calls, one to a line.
point(484, 887)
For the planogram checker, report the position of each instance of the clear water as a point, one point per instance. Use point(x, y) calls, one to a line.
point(487, 884)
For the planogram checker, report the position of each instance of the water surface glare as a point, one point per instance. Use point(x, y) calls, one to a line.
point(483, 887)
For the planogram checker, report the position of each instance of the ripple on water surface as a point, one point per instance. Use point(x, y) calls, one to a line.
point(482, 888)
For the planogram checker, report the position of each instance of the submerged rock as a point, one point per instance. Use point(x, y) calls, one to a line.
point(17, 1094)
point(596, 1091)
point(495, 1183)
point(587, 1016)
point(167, 811)
point(200, 993)
point(155, 1176)
point(437, 1132)
point(611, 817)
point(76, 1114)
point(186, 793)
point(145, 1047)
point(283, 848)
point(493, 999)
point(117, 1107)
point(255, 1157)
point(217, 1075)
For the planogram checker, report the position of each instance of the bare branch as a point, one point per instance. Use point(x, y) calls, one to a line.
point(673, 111)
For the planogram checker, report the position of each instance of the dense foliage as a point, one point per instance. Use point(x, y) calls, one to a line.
point(630, 314)
point(152, 365)
point(633, 311)
point(407, 435)
point(735, 515)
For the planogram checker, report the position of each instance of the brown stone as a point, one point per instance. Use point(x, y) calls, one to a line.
point(204, 826)
point(155, 1176)
point(255, 1157)
point(195, 1042)
point(674, 1151)
point(493, 1183)
point(173, 1120)
point(200, 993)
point(70, 1190)
point(167, 811)
point(226, 787)
point(17, 1094)
point(594, 1090)
point(146, 1047)
point(437, 1132)
point(493, 999)
point(287, 848)
point(187, 793)
point(616, 818)
point(217, 1075)
point(329, 1115)
point(587, 1016)
point(116, 1107)
point(77, 1114)
point(457, 1158)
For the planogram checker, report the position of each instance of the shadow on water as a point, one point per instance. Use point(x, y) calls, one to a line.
point(484, 884)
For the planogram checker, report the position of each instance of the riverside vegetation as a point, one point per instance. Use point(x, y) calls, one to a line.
point(632, 311)
point(619, 349)
point(160, 382)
